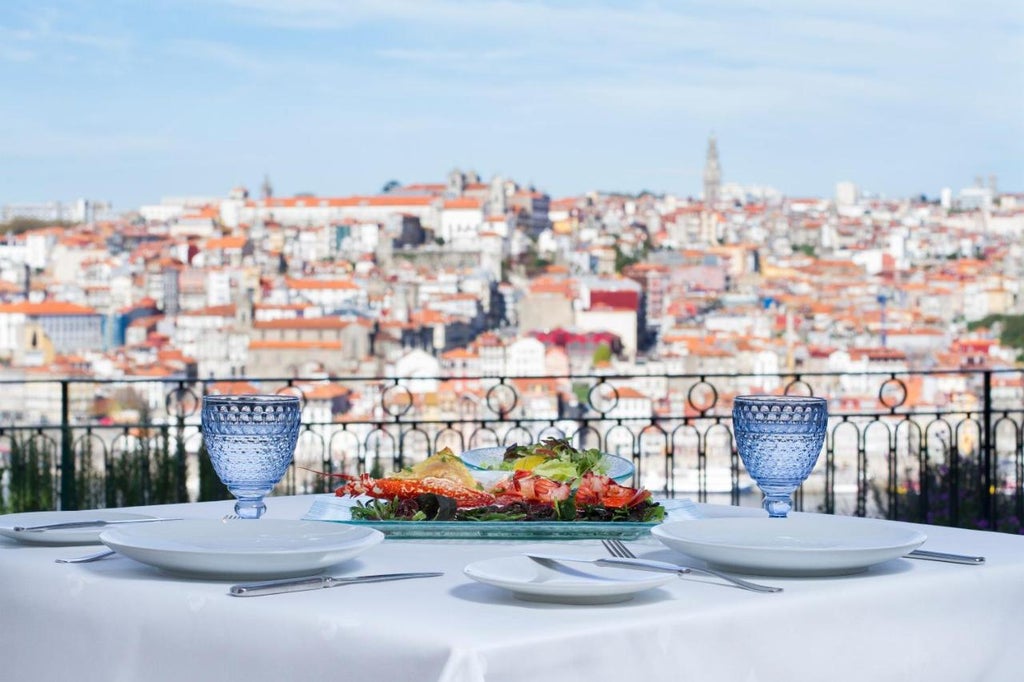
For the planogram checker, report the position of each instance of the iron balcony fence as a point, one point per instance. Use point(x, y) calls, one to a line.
point(941, 446)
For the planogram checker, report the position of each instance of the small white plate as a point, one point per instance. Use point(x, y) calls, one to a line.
point(241, 549)
point(568, 584)
point(61, 536)
point(490, 459)
point(799, 545)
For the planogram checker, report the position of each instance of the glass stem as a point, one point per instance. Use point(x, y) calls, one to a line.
point(778, 505)
point(250, 507)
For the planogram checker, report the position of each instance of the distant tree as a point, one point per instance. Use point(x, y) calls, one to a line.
point(19, 225)
point(1012, 333)
point(602, 354)
point(622, 260)
point(390, 186)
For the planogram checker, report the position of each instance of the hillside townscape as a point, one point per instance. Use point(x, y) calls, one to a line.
point(474, 277)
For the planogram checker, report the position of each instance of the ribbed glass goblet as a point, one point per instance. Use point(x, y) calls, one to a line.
point(251, 441)
point(779, 439)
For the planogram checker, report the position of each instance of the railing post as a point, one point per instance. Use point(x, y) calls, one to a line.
point(68, 491)
point(988, 505)
point(180, 468)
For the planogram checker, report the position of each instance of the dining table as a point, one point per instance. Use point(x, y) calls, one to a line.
point(118, 619)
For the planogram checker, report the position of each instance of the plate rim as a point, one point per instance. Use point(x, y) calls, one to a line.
point(217, 523)
point(251, 563)
point(768, 559)
point(666, 528)
point(66, 536)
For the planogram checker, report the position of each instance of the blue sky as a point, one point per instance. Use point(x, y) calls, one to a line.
point(130, 101)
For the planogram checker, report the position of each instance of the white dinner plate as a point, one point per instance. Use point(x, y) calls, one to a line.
point(241, 549)
point(61, 536)
point(568, 584)
point(619, 469)
point(799, 545)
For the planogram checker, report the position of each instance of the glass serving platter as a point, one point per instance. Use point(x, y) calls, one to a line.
point(332, 508)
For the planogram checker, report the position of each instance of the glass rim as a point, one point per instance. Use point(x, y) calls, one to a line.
point(761, 398)
point(264, 398)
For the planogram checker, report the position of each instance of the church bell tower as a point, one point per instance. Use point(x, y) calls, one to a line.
point(712, 174)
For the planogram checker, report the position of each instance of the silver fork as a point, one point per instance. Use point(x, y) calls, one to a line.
point(617, 548)
point(87, 558)
point(109, 552)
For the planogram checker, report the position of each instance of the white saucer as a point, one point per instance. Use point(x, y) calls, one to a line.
point(576, 584)
point(241, 549)
point(61, 536)
point(800, 545)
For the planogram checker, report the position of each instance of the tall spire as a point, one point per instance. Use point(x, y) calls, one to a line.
point(712, 174)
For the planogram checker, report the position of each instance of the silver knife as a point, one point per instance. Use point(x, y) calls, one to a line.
point(317, 582)
point(95, 523)
point(643, 564)
point(943, 556)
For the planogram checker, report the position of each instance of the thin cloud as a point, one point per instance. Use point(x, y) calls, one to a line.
point(60, 144)
point(224, 54)
point(581, 84)
point(40, 33)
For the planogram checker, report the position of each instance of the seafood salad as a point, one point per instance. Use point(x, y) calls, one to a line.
point(553, 458)
point(442, 488)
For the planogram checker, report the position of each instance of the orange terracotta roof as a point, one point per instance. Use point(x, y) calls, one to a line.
point(324, 391)
point(549, 285)
point(428, 316)
point(626, 392)
point(211, 311)
point(153, 371)
point(459, 354)
point(320, 284)
point(45, 308)
point(171, 354)
point(230, 242)
point(232, 388)
point(464, 203)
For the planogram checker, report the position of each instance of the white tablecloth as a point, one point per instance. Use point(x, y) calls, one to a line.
point(120, 620)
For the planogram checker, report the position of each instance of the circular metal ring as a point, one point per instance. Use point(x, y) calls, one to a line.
point(892, 393)
point(181, 402)
point(499, 405)
point(396, 400)
point(702, 389)
point(795, 383)
point(603, 397)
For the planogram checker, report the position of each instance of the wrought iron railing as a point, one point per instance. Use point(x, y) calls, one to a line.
point(942, 446)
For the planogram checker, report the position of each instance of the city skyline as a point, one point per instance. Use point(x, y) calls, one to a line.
point(182, 98)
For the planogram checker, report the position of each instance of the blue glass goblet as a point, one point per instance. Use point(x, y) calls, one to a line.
point(779, 439)
point(251, 441)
